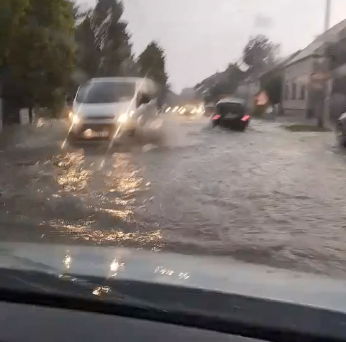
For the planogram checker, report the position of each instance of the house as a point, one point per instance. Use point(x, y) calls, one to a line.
point(248, 89)
point(297, 93)
point(204, 86)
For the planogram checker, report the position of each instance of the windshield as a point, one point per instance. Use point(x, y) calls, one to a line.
point(197, 129)
point(230, 108)
point(105, 92)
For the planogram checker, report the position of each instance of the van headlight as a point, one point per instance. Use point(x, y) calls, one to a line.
point(74, 118)
point(123, 118)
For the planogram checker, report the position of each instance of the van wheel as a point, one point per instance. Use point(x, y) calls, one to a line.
point(131, 132)
point(340, 135)
point(71, 138)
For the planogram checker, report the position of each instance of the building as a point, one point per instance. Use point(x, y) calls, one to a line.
point(297, 93)
point(248, 89)
point(204, 86)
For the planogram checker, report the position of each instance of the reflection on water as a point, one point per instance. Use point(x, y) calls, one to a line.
point(67, 260)
point(87, 233)
point(115, 267)
point(104, 200)
point(99, 290)
point(70, 174)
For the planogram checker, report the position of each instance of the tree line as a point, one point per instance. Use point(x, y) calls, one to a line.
point(259, 56)
point(48, 47)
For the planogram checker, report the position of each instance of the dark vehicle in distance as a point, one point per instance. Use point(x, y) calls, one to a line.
point(231, 113)
point(341, 130)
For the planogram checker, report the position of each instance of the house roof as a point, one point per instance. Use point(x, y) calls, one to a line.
point(333, 34)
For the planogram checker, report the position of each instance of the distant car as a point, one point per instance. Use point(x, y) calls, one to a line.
point(209, 109)
point(231, 113)
point(341, 130)
point(188, 110)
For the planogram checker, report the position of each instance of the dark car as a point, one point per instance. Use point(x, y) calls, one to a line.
point(341, 130)
point(232, 114)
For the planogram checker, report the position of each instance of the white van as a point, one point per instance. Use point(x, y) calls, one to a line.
point(103, 106)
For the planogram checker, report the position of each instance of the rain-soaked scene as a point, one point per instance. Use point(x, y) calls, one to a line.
point(194, 127)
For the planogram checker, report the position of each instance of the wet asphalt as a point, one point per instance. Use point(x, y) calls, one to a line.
point(266, 196)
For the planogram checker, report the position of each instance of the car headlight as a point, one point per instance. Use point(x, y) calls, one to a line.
point(74, 118)
point(123, 118)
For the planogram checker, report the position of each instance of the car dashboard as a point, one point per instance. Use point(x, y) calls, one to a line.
point(23, 323)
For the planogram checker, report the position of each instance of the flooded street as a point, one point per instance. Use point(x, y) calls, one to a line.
point(266, 196)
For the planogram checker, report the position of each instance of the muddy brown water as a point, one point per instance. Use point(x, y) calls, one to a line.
point(265, 196)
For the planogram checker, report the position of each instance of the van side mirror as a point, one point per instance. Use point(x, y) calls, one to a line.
point(69, 99)
point(143, 99)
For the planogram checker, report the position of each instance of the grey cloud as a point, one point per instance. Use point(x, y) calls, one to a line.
point(203, 36)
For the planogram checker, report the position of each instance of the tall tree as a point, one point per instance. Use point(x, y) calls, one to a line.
point(112, 38)
point(88, 53)
point(41, 52)
point(152, 63)
point(259, 53)
point(11, 12)
point(104, 47)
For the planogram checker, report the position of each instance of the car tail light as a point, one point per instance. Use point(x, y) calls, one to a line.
point(245, 118)
point(216, 117)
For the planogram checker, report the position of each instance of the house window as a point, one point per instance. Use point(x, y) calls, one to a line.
point(294, 91)
point(302, 92)
point(287, 91)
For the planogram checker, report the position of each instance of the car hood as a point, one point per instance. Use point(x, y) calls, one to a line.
point(218, 274)
point(101, 109)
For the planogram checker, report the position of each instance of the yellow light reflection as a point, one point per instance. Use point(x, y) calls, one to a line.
point(70, 174)
point(98, 291)
point(115, 267)
point(85, 232)
point(67, 261)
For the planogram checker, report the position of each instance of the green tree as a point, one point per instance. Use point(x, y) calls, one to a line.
point(42, 51)
point(112, 38)
point(152, 64)
point(104, 47)
point(88, 53)
point(272, 83)
point(11, 13)
point(259, 53)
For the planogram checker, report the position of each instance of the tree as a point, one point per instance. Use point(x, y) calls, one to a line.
point(227, 85)
point(112, 38)
point(88, 53)
point(104, 47)
point(41, 52)
point(11, 12)
point(272, 83)
point(152, 64)
point(259, 53)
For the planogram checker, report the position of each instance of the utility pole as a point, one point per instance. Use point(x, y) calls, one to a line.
point(326, 66)
point(327, 15)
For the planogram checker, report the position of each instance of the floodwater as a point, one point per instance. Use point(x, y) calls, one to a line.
point(265, 196)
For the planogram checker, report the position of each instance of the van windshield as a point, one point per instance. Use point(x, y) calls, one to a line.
point(106, 92)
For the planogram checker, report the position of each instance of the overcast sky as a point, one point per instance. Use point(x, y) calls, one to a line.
point(203, 36)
